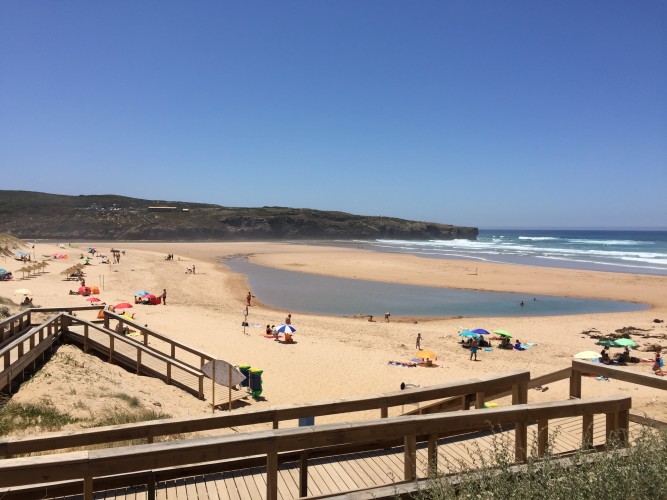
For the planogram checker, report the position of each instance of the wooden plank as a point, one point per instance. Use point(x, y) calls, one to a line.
point(618, 373)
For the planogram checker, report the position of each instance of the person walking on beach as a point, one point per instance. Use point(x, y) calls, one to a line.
point(418, 344)
point(473, 348)
point(288, 319)
point(164, 296)
point(193, 269)
point(249, 298)
point(386, 317)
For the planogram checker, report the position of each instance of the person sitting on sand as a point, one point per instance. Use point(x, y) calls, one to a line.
point(73, 292)
point(604, 357)
point(517, 345)
point(505, 343)
point(27, 301)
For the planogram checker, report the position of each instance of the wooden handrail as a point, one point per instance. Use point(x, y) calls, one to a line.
point(579, 367)
point(139, 345)
point(87, 465)
point(159, 336)
point(142, 430)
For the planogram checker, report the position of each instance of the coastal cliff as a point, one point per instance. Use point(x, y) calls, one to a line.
point(28, 214)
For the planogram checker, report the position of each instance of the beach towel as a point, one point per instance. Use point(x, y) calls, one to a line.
point(488, 348)
point(408, 364)
point(266, 336)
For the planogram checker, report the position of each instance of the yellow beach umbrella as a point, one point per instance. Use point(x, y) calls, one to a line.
point(426, 354)
point(587, 355)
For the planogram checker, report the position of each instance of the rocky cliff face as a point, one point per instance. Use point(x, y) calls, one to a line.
point(40, 215)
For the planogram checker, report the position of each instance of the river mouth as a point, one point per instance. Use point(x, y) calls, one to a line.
point(331, 296)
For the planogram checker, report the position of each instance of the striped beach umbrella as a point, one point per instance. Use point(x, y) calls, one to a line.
point(285, 329)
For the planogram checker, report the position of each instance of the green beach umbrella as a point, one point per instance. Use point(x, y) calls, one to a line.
point(503, 333)
point(607, 343)
point(626, 342)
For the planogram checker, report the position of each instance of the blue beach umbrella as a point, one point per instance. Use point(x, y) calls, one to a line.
point(480, 331)
point(142, 293)
point(285, 329)
point(467, 334)
point(3, 270)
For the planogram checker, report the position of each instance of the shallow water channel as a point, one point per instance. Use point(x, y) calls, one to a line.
point(310, 293)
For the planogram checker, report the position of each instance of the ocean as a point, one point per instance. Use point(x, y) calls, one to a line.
point(639, 252)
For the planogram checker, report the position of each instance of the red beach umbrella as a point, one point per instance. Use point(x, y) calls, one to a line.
point(123, 305)
point(93, 299)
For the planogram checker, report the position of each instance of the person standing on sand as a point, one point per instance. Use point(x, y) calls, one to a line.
point(418, 344)
point(249, 298)
point(386, 317)
point(164, 296)
point(473, 348)
point(288, 319)
point(193, 269)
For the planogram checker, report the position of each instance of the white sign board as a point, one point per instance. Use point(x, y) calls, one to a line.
point(222, 373)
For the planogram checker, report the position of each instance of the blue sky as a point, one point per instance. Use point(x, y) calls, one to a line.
point(490, 114)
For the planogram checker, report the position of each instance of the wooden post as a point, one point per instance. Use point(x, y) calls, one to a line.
point(479, 400)
point(465, 402)
point(138, 359)
point(612, 427)
point(213, 387)
point(575, 384)
point(275, 421)
point(410, 458)
point(272, 475)
point(87, 488)
point(432, 455)
point(623, 426)
point(169, 373)
point(587, 431)
point(201, 386)
point(384, 411)
point(145, 333)
point(542, 437)
point(85, 338)
point(150, 487)
point(520, 393)
point(110, 349)
point(229, 381)
point(520, 441)
point(303, 474)
point(173, 351)
point(106, 320)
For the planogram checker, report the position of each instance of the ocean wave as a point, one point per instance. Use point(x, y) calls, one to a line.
point(538, 238)
point(579, 241)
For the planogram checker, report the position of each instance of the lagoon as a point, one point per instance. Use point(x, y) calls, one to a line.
point(315, 294)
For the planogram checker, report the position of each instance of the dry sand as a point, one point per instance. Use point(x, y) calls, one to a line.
point(336, 357)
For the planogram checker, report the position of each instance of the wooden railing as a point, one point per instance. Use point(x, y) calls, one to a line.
point(176, 372)
point(464, 403)
point(14, 325)
point(580, 367)
point(149, 430)
point(85, 466)
point(148, 335)
point(24, 350)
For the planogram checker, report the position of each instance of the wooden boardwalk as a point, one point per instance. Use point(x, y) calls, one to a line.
point(329, 476)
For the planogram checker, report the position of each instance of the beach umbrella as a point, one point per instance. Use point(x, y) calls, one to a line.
point(503, 333)
point(467, 334)
point(84, 290)
point(426, 354)
point(3, 270)
point(587, 355)
point(625, 343)
point(22, 291)
point(123, 305)
point(480, 331)
point(93, 299)
point(285, 329)
point(607, 343)
point(142, 293)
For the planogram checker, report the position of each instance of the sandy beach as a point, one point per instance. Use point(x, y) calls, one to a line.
point(336, 357)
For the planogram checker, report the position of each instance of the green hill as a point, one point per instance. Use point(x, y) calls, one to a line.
point(27, 214)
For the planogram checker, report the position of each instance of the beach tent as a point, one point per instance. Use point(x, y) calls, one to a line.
point(94, 289)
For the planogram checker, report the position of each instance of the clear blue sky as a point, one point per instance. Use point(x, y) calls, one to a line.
point(485, 113)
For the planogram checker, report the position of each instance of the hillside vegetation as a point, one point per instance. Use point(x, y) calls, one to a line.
point(27, 214)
